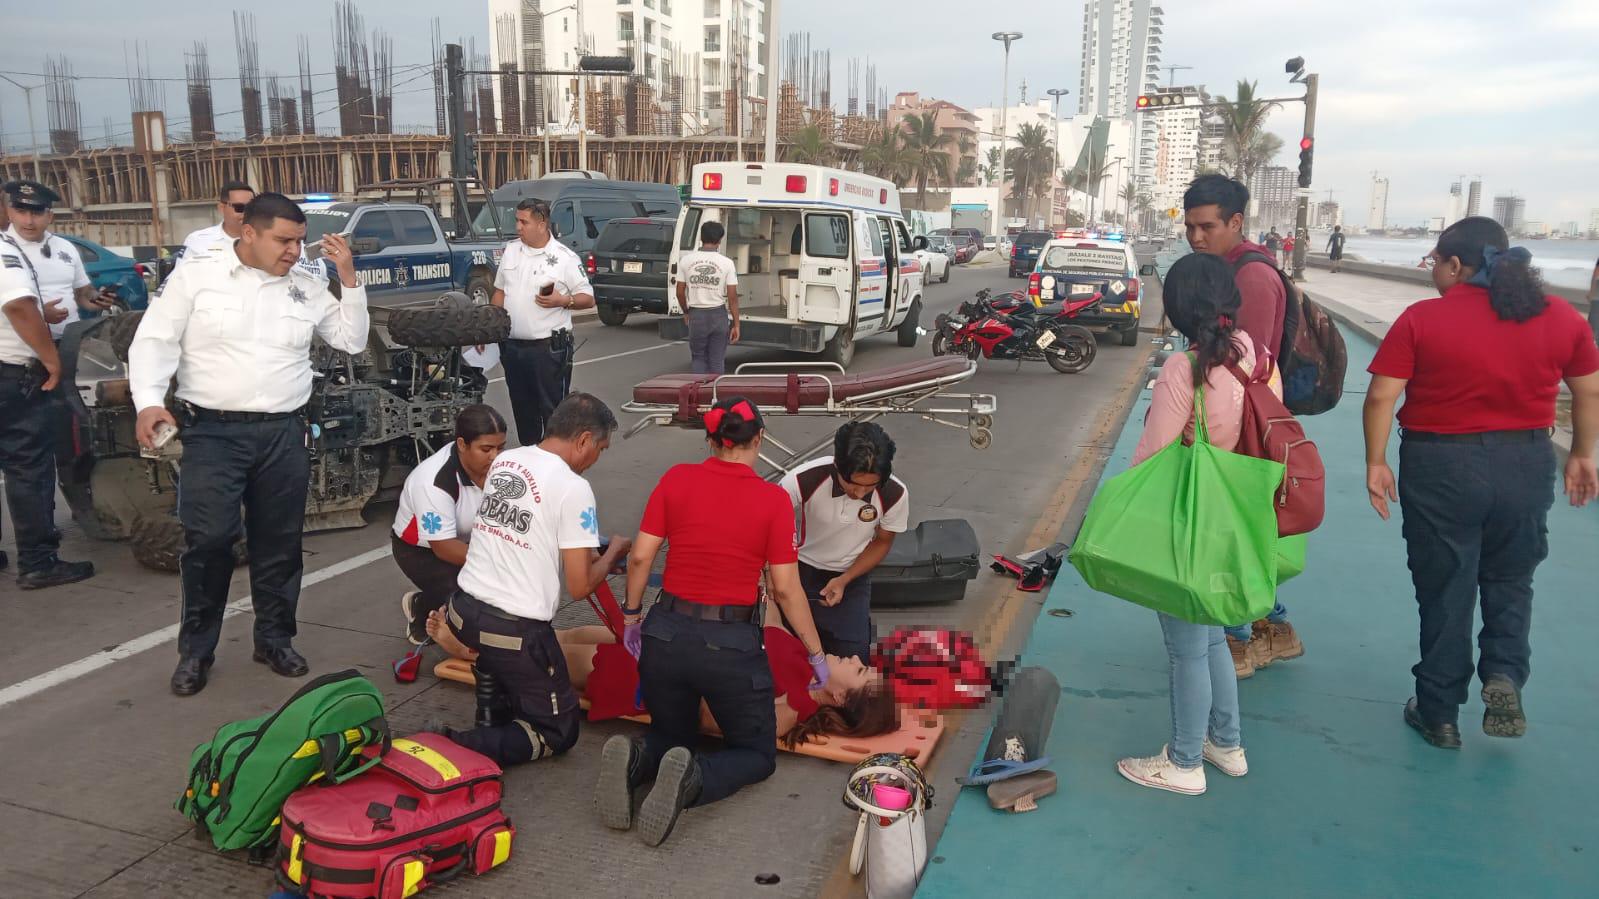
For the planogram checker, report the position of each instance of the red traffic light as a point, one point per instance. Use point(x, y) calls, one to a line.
point(1143, 102)
point(1305, 143)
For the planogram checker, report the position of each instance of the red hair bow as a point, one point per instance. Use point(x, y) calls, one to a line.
point(713, 419)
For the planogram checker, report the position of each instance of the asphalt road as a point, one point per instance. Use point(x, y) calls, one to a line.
point(99, 748)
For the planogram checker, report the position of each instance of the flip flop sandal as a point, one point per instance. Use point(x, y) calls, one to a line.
point(405, 670)
point(994, 770)
point(1021, 793)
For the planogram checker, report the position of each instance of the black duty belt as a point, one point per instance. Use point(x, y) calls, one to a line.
point(12, 370)
point(538, 341)
point(1482, 438)
point(200, 414)
point(703, 611)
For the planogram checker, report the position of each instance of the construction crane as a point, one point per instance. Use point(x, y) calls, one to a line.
point(1171, 73)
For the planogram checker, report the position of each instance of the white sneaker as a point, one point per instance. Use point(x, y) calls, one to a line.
point(407, 603)
point(1230, 762)
point(1161, 773)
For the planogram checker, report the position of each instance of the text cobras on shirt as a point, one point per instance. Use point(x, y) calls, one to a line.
point(500, 507)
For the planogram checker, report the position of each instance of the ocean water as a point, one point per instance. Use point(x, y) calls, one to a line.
point(1565, 263)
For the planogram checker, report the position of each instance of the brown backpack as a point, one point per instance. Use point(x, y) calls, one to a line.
point(1312, 356)
point(1269, 431)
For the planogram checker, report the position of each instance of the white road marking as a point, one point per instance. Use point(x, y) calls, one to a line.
point(90, 663)
point(648, 349)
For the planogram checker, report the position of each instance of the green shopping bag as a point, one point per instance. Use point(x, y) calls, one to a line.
point(1291, 556)
point(1190, 532)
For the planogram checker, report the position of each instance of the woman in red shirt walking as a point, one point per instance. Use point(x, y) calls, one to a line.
point(702, 640)
point(1480, 368)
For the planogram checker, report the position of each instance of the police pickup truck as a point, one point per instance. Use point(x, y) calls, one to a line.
point(402, 253)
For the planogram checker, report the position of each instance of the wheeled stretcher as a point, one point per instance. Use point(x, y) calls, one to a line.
point(822, 389)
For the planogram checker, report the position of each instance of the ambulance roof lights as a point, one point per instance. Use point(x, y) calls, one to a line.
point(832, 187)
point(711, 181)
point(795, 184)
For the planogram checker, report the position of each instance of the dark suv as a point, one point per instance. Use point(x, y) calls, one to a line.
point(628, 267)
point(1024, 251)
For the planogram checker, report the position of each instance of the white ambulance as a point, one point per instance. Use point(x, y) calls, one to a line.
point(824, 256)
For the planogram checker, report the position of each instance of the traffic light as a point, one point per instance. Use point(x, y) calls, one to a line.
point(605, 64)
point(1307, 146)
point(1157, 102)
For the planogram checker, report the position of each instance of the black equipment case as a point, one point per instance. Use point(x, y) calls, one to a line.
point(931, 563)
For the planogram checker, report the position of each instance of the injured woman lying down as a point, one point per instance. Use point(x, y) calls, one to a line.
point(854, 703)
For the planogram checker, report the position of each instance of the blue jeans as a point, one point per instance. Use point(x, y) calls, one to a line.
point(1240, 632)
point(708, 332)
point(1204, 690)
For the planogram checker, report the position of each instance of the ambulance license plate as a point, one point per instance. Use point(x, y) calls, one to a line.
point(1045, 339)
point(632, 268)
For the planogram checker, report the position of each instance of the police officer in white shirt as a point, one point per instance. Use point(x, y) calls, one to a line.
point(30, 372)
point(235, 196)
point(540, 282)
point(707, 289)
point(438, 506)
point(849, 507)
point(536, 531)
point(235, 326)
point(63, 281)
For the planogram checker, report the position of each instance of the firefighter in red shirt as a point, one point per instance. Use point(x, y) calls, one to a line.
point(703, 640)
point(1480, 369)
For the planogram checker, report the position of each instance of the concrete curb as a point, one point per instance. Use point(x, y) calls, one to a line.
point(1376, 330)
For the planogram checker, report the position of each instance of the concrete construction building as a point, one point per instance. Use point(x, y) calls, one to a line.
point(1474, 197)
point(962, 126)
point(1593, 222)
point(1272, 193)
point(1511, 212)
point(714, 48)
point(1377, 214)
point(1326, 214)
point(1212, 142)
point(1120, 60)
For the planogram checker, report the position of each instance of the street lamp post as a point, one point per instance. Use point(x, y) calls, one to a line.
point(1119, 160)
point(1008, 38)
point(1057, 93)
point(33, 138)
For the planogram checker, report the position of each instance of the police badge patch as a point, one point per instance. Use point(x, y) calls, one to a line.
point(296, 294)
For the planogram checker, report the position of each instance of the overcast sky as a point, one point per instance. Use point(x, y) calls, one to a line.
point(1420, 90)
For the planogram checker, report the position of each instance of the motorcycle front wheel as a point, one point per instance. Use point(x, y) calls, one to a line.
point(940, 343)
point(1072, 351)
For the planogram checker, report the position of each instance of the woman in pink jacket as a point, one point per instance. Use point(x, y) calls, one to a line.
point(1201, 301)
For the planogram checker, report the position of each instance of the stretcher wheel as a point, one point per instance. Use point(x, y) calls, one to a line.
point(983, 421)
point(982, 438)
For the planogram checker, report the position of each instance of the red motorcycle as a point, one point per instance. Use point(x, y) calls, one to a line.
point(1012, 328)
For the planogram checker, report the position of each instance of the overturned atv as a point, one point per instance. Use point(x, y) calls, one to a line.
point(373, 416)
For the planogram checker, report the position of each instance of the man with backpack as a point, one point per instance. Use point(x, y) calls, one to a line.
point(1213, 209)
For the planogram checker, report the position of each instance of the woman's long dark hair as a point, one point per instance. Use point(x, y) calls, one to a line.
point(867, 712)
point(1515, 289)
point(1202, 301)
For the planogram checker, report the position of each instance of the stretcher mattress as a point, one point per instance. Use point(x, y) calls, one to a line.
point(917, 737)
point(795, 390)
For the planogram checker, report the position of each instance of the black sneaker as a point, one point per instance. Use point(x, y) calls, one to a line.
point(416, 627)
point(1443, 736)
point(55, 574)
point(1503, 716)
point(677, 784)
point(621, 771)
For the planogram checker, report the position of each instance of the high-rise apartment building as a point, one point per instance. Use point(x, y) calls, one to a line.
point(1511, 212)
point(1120, 60)
point(1377, 214)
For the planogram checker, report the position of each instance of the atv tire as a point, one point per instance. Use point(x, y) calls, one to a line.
point(119, 330)
point(449, 326)
point(158, 542)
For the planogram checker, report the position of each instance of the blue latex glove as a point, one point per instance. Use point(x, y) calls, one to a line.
point(819, 670)
point(633, 638)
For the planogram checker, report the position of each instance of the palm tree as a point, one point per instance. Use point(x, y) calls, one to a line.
point(1128, 196)
point(990, 169)
point(1144, 205)
point(966, 146)
point(1262, 148)
point(928, 148)
point(1245, 118)
point(1031, 162)
point(886, 157)
point(810, 146)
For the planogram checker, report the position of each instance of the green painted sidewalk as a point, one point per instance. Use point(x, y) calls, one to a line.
point(1342, 799)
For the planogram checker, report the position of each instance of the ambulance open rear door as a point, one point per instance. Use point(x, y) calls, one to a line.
point(827, 270)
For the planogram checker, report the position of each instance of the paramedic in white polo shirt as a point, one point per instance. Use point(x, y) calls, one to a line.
point(536, 524)
point(540, 282)
point(707, 289)
point(849, 508)
point(438, 506)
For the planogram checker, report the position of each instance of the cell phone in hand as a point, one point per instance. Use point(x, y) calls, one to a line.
point(547, 289)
